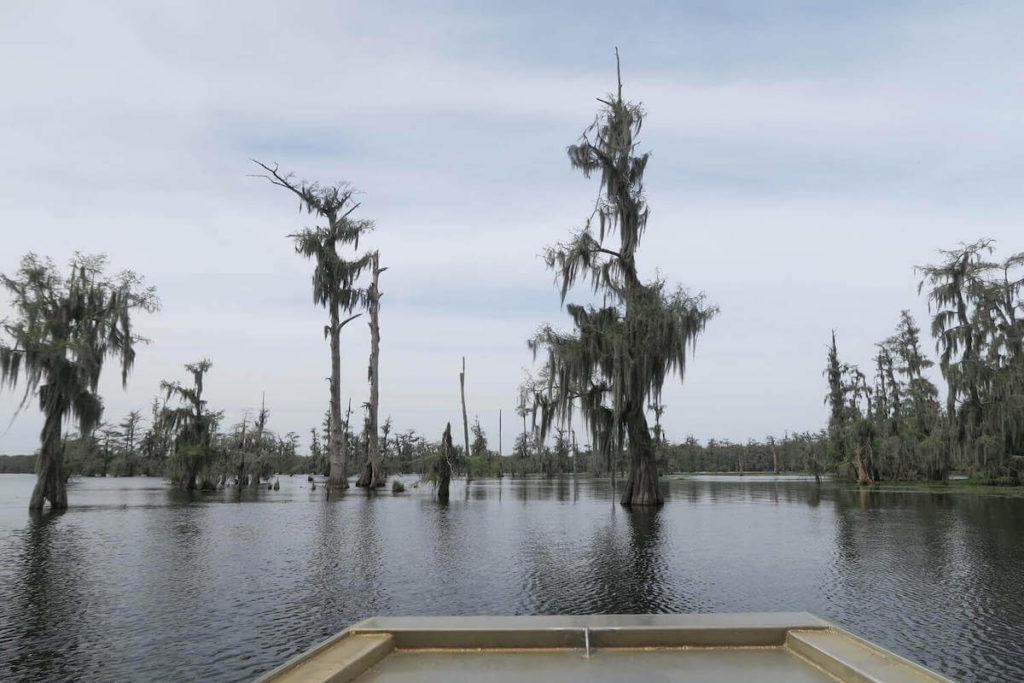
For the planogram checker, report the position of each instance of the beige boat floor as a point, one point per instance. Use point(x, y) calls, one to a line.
point(713, 665)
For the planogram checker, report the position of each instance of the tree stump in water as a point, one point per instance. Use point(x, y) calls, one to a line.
point(443, 464)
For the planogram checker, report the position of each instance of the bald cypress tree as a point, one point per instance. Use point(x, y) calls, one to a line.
point(850, 426)
point(334, 280)
point(373, 473)
point(63, 329)
point(978, 324)
point(192, 424)
point(616, 359)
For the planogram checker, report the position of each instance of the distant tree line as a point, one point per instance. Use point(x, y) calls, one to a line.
point(183, 444)
point(17, 464)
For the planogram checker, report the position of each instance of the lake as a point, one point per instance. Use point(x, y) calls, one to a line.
point(141, 582)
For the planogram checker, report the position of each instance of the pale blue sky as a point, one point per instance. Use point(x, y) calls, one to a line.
point(806, 156)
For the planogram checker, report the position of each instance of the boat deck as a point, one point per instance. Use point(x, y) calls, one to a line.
point(796, 647)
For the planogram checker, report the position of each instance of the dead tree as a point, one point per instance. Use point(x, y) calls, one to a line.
point(465, 419)
point(373, 475)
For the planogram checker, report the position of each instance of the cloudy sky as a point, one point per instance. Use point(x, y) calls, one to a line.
point(806, 156)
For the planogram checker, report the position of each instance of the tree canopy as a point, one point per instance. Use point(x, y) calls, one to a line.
point(64, 329)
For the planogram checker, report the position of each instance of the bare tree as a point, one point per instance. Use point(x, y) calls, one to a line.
point(465, 419)
point(373, 476)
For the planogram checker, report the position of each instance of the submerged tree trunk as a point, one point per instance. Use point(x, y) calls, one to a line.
point(338, 477)
point(257, 460)
point(444, 464)
point(465, 420)
point(575, 452)
point(642, 485)
point(501, 472)
point(240, 474)
point(610, 461)
point(372, 475)
point(344, 436)
point(50, 479)
point(862, 476)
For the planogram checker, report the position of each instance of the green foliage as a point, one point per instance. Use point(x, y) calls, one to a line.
point(17, 464)
point(478, 447)
point(334, 277)
point(898, 425)
point(334, 281)
point(978, 324)
point(193, 427)
point(63, 330)
point(803, 453)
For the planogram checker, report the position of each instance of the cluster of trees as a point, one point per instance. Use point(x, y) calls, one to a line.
point(337, 288)
point(557, 451)
point(804, 453)
point(17, 464)
point(895, 427)
point(608, 369)
point(182, 440)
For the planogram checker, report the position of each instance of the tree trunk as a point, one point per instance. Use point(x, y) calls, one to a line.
point(524, 435)
point(642, 485)
point(862, 476)
point(465, 420)
point(240, 477)
point(257, 461)
point(338, 477)
point(50, 480)
point(611, 462)
point(372, 475)
point(501, 472)
point(575, 453)
point(444, 464)
point(344, 437)
point(775, 458)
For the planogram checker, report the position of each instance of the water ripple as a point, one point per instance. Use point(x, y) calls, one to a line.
point(139, 582)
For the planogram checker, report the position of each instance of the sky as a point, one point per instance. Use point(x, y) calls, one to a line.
point(806, 156)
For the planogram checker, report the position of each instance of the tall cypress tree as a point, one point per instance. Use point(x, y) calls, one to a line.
point(616, 360)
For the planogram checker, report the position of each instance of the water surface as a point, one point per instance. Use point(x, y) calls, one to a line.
point(140, 582)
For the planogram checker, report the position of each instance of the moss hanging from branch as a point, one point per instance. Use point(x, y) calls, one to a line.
point(617, 357)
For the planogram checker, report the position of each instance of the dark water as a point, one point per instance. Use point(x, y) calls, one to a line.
point(139, 582)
